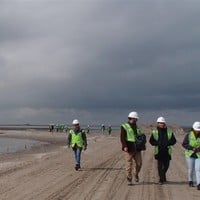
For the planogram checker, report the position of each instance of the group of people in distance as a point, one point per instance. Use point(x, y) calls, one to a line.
point(133, 142)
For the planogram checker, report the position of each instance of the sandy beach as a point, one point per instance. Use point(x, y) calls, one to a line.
point(47, 172)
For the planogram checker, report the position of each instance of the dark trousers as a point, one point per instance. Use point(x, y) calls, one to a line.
point(163, 166)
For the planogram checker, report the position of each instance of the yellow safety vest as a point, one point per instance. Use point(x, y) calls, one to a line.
point(130, 135)
point(193, 142)
point(155, 135)
point(76, 139)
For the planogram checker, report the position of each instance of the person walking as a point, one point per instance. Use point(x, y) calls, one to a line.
point(162, 139)
point(51, 127)
point(191, 143)
point(103, 128)
point(78, 141)
point(128, 137)
point(88, 129)
point(109, 130)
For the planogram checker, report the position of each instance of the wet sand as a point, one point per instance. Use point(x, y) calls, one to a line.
point(47, 172)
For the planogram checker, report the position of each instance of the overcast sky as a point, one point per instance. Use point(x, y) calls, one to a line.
point(98, 60)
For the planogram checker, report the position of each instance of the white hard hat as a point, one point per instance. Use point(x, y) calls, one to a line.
point(75, 121)
point(133, 115)
point(196, 126)
point(161, 120)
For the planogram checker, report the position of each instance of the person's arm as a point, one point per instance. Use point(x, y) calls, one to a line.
point(152, 141)
point(172, 141)
point(123, 138)
point(84, 139)
point(185, 143)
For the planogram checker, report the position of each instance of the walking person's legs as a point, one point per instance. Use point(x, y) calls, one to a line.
point(197, 171)
point(138, 164)
point(78, 157)
point(161, 171)
point(129, 163)
point(165, 168)
point(77, 154)
point(191, 165)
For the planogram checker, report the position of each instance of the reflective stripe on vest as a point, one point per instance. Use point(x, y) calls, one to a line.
point(130, 135)
point(155, 135)
point(76, 139)
point(193, 142)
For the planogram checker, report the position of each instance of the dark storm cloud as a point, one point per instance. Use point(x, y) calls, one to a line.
point(97, 59)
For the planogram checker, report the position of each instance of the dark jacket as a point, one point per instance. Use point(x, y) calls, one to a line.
point(162, 144)
point(131, 145)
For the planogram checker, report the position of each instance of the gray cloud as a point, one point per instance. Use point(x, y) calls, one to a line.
point(98, 60)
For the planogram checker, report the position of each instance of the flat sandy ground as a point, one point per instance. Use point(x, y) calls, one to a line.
point(48, 172)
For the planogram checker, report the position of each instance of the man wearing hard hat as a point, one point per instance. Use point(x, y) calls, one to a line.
point(162, 139)
point(129, 133)
point(191, 143)
point(77, 140)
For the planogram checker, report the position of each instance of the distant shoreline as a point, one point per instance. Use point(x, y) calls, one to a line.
point(46, 126)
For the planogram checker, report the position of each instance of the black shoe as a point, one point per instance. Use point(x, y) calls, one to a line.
point(160, 182)
point(129, 179)
point(136, 178)
point(191, 184)
point(164, 179)
point(77, 167)
point(198, 187)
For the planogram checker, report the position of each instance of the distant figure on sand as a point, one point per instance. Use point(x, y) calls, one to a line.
point(103, 128)
point(109, 129)
point(51, 127)
point(78, 141)
point(191, 143)
point(162, 139)
point(88, 129)
point(129, 135)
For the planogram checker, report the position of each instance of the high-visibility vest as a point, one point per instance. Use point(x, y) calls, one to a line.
point(155, 135)
point(130, 135)
point(193, 142)
point(76, 139)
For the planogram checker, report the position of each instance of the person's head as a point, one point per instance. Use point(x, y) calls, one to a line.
point(196, 127)
point(161, 122)
point(75, 124)
point(133, 117)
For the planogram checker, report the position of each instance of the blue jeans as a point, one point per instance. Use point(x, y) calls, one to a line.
point(193, 166)
point(77, 154)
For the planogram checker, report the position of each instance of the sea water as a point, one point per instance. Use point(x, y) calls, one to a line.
point(10, 145)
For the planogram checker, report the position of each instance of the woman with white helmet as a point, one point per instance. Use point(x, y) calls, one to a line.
point(191, 143)
point(162, 139)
